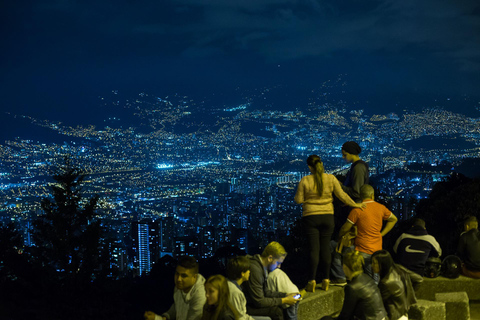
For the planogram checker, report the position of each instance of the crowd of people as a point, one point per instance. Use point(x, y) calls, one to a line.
point(375, 286)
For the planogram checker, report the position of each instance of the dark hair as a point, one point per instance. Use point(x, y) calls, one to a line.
point(316, 163)
point(236, 266)
point(189, 263)
point(418, 222)
point(385, 262)
point(217, 311)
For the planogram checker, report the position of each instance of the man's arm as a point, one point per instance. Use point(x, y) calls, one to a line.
point(256, 295)
point(358, 180)
point(389, 225)
point(345, 228)
point(169, 315)
point(195, 306)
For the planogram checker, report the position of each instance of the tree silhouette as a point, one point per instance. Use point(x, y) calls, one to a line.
point(67, 235)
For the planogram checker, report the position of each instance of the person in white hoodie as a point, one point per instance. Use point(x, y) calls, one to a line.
point(188, 295)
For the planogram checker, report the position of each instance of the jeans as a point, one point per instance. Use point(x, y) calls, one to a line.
point(337, 265)
point(367, 267)
point(291, 312)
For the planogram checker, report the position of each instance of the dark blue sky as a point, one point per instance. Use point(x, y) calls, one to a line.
point(58, 56)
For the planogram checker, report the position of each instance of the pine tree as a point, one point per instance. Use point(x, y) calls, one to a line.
point(67, 235)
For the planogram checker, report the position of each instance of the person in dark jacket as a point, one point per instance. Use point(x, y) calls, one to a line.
point(415, 246)
point(469, 248)
point(358, 174)
point(395, 285)
point(362, 296)
point(260, 300)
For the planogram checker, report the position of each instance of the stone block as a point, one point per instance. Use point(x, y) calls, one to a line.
point(427, 310)
point(321, 303)
point(456, 305)
point(431, 286)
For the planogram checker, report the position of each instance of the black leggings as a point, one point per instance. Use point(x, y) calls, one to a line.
point(319, 229)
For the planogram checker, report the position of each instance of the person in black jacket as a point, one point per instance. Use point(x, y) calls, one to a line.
point(362, 296)
point(469, 248)
point(415, 246)
point(358, 174)
point(396, 285)
point(260, 300)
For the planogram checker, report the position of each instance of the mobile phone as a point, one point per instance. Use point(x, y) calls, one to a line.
point(297, 296)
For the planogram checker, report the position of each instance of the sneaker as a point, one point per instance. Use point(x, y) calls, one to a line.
point(338, 282)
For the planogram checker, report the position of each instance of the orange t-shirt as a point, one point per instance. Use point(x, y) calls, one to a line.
point(369, 223)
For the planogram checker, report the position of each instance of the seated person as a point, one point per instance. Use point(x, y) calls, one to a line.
point(469, 248)
point(238, 271)
point(262, 301)
point(188, 295)
point(279, 281)
point(218, 306)
point(362, 296)
point(415, 246)
point(395, 285)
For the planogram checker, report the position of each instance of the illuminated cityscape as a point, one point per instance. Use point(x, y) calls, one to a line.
point(191, 178)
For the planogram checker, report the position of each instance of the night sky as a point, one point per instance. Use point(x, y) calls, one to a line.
point(57, 57)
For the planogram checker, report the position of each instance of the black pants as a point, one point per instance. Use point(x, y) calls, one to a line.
point(319, 229)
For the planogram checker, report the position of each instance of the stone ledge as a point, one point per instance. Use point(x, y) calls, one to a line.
point(427, 310)
point(321, 303)
point(431, 286)
point(456, 305)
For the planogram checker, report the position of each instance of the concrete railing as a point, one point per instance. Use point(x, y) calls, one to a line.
point(434, 302)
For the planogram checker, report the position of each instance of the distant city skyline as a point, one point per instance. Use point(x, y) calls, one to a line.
point(59, 56)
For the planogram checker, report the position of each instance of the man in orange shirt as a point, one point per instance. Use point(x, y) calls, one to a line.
point(369, 224)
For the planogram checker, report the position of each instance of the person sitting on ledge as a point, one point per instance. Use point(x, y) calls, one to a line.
point(396, 285)
point(362, 296)
point(262, 301)
point(188, 296)
point(469, 248)
point(415, 246)
point(238, 271)
point(218, 306)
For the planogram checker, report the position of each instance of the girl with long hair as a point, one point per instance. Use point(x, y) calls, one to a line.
point(362, 297)
point(314, 192)
point(218, 306)
point(395, 285)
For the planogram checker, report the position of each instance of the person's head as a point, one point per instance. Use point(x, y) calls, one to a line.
point(315, 165)
point(217, 294)
point(367, 192)
point(382, 263)
point(350, 151)
point(352, 264)
point(417, 222)
point(216, 290)
point(470, 223)
point(238, 268)
point(273, 255)
point(186, 273)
